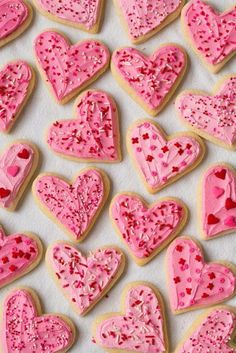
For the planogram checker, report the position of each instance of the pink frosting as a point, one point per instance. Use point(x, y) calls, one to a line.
point(192, 282)
point(82, 12)
point(23, 331)
point(143, 17)
point(15, 78)
point(69, 68)
point(141, 329)
point(145, 229)
point(213, 35)
point(160, 160)
point(74, 206)
point(213, 334)
point(15, 166)
point(17, 253)
point(13, 14)
point(151, 78)
point(84, 280)
point(93, 135)
point(219, 201)
point(214, 115)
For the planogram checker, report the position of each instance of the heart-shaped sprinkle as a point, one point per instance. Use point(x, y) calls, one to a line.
point(19, 253)
point(152, 80)
point(213, 117)
point(75, 206)
point(13, 16)
point(14, 170)
point(212, 332)
point(23, 154)
point(140, 329)
point(218, 211)
point(146, 230)
point(15, 81)
point(93, 135)
point(84, 14)
point(218, 192)
point(192, 282)
point(24, 331)
point(69, 69)
point(212, 35)
point(144, 19)
point(84, 280)
point(161, 159)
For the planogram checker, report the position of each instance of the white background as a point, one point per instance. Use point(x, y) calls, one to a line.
point(42, 111)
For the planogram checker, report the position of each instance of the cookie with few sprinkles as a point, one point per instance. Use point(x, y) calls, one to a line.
point(69, 69)
point(211, 34)
point(84, 280)
point(86, 15)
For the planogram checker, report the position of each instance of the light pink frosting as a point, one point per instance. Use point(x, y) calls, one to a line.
point(82, 12)
point(23, 331)
point(145, 229)
point(160, 160)
point(192, 282)
point(17, 253)
point(214, 35)
point(151, 78)
point(213, 334)
point(15, 166)
point(15, 78)
point(69, 68)
point(93, 135)
point(214, 115)
point(13, 14)
point(84, 279)
point(219, 201)
point(143, 17)
point(76, 205)
point(141, 329)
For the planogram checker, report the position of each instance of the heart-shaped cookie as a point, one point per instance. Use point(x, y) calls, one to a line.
point(68, 69)
point(93, 136)
point(16, 85)
point(143, 19)
point(83, 14)
point(192, 282)
point(211, 332)
point(74, 206)
point(140, 327)
point(19, 254)
point(212, 35)
point(15, 17)
point(162, 159)
point(147, 230)
point(25, 330)
point(17, 165)
point(212, 117)
point(152, 80)
point(84, 281)
point(218, 201)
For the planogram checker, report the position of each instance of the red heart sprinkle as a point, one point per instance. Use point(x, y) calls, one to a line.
point(221, 174)
point(212, 219)
point(24, 154)
point(4, 193)
point(229, 204)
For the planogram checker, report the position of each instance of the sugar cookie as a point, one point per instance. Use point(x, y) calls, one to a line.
point(18, 163)
point(192, 282)
point(162, 159)
point(147, 229)
point(84, 14)
point(150, 81)
point(211, 34)
point(26, 330)
point(84, 280)
point(76, 66)
point(211, 116)
point(139, 327)
point(93, 135)
point(73, 206)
